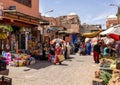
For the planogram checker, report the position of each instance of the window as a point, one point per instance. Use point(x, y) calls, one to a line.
point(25, 2)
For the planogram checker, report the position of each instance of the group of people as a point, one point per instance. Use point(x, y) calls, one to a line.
point(106, 50)
point(85, 48)
point(100, 48)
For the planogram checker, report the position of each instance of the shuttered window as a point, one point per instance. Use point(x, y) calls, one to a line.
point(25, 2)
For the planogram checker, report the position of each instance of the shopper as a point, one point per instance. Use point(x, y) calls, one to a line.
point(58, 51)
point(52, 53)
point(96, 52)
point(89, 47)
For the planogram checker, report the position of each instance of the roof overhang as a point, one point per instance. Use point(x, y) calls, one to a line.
point(21, 16)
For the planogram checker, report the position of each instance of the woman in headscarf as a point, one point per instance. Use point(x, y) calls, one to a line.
point(89, 47)
point(58, 51)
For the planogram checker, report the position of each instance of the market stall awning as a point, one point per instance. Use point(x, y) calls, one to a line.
point(106, 31)
point(115, 33)
point(92, 34)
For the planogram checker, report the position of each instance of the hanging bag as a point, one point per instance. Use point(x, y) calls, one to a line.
point(61, 58)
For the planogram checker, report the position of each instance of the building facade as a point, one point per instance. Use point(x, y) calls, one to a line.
point(23, 16)
point(65, 26)
point(86, 28)
point(72, 23)
point(112, 20)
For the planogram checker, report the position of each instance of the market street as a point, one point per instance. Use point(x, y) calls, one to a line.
point(78, 70)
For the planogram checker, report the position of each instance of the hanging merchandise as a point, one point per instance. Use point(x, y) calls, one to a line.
point(7, 27)
point(3, 35)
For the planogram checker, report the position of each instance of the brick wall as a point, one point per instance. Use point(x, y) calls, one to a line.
point(110, 23)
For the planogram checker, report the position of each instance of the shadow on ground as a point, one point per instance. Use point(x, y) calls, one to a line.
point(42, 64)
point(39, 65)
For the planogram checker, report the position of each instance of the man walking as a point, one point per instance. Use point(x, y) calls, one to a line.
point(96, 52)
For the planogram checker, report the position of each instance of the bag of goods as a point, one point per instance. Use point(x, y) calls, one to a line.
point(113, 66)
point(26, 62)
point(20, 63)
point(32, 60)
point(61, 58)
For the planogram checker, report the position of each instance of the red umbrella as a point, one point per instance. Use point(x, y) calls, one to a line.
point(115, 37)
point(115, 33)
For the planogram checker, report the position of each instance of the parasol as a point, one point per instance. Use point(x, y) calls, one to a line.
point(107, 31)
point(115, 33)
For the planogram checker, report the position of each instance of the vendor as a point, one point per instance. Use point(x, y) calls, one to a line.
point(105, 52)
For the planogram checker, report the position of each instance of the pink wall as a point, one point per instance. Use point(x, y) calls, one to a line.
point(33, 11)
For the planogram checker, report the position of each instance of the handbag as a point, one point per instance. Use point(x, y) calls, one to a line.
point(61, 58)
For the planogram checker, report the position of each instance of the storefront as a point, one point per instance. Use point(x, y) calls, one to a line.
point(25, 34)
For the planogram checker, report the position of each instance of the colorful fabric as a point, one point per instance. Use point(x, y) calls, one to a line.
point(58, 51)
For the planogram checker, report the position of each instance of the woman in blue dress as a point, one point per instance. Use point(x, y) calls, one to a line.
point(89, 47)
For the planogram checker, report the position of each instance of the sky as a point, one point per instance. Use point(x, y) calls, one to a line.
point(89, 11)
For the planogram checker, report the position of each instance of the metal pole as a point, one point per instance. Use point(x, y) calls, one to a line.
point(118, 14)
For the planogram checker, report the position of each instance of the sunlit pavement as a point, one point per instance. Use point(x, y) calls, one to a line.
point(78, 70)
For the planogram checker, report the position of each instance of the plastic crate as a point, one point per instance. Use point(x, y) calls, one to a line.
point(5, 80)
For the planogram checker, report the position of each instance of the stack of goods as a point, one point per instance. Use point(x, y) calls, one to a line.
point(21, 60)
point(102, 78)
point(7, 57)
point(115, 80)
point(107, 64)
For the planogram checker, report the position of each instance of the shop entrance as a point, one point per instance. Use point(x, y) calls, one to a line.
point(18, 38)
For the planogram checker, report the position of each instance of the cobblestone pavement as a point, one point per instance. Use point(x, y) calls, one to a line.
point(78, 70)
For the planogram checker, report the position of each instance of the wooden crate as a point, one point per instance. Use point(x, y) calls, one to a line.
point(97, 81)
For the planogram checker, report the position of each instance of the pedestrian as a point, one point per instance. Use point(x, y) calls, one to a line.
point(52, 53)
point(96, 52)
point(89, 47)
point(58, 51)
point(68, 49)
point(117, 47)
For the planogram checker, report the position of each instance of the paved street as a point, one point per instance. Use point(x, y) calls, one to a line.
point(78, 70)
